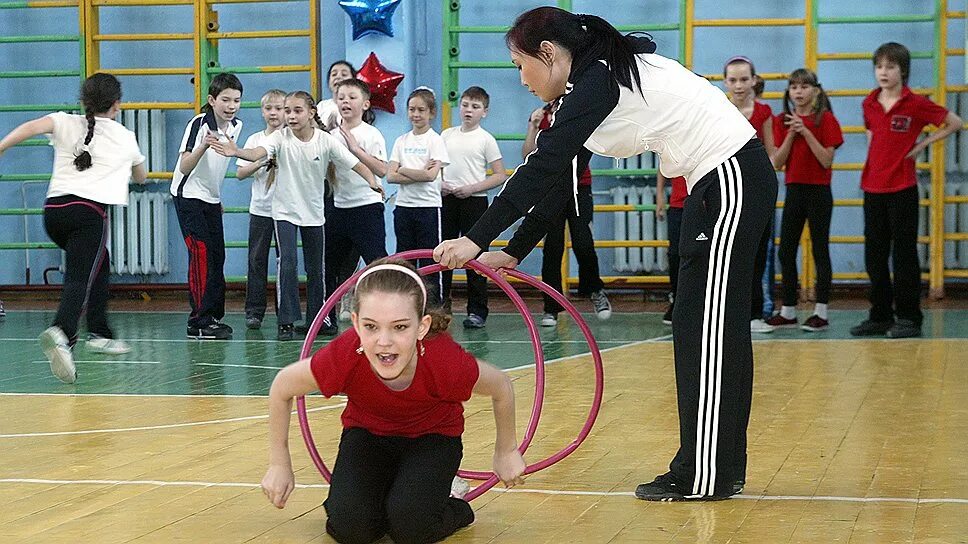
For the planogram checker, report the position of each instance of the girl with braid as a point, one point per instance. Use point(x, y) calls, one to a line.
point(303, 153)
point(94, 157)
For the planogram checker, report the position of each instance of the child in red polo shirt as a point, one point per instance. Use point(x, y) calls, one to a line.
point(401, 442)
point(809, 133)
point(674, 213)
point(894, 117)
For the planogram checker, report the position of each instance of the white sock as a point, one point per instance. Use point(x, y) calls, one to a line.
point(788, 312)
point(820, 310)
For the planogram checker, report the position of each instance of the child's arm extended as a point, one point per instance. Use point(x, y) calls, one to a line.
point(952, 123)
point(228, 148)
point(509, 464)
point(36, 127)
point(293, 381)
point(498, 176)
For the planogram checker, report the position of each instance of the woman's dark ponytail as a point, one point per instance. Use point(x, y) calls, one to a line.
point(99, 93)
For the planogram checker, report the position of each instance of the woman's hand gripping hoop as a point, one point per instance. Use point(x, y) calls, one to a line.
point(489, 478)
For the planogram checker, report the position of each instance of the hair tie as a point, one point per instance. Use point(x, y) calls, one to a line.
point(398, 268)
point(583, 21)
point(426, 88)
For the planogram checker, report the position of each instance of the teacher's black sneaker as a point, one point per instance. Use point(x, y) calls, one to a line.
point(665, 488)
point(871, 328)
point(214, 331)
point(285, 333)
point(474, 321)
point(904, 328)
point(667, 316)
point(253, 323)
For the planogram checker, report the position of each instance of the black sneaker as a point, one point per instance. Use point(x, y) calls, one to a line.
point(328, 328)
point(738, 486)
point(665, 488)
point(215, 331)
point(871, 328)
point(904, 328)
point(301, 328)
point(667, 316)
point(285, 333)
point(253, 323)
point(474, 321)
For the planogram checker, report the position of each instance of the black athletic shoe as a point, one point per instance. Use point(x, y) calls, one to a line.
point(738, 486)
point(253, 323)
point(667, 316)
point(328, 329)
point(301, 328)
point(285, 333)
point(904, 328)
point(215, 331)
point(665, 488)
point(871, 328)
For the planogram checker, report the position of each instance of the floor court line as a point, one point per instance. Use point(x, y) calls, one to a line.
point(810, 498)
point(107, 362)
point(157, 427)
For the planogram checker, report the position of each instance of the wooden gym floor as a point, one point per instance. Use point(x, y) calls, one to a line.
point(860, 441)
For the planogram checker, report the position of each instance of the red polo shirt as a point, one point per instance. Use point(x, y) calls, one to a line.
point(761, 112)
point(679, 192)
point(444, 379)
point(893, 134)
point(802, 165)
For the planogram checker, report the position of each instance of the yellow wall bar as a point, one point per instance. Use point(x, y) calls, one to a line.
point(140, 37)
point(201, 27)
point(936, 224)
point(690, 32)
point(298, 33)
point(148, 71)
point(142, 2)
point(53, 4)
point(863, 55)
point(92, 50)
point(314, 58)
point(776, 76)
point(157, 106)
point(748, 22)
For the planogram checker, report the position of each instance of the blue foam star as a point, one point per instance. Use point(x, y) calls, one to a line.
point(370, 16)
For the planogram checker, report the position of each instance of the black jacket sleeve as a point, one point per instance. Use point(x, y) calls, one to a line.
point(548, 212)
point(594, 94)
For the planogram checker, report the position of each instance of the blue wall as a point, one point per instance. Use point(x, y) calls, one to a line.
point(416, 52)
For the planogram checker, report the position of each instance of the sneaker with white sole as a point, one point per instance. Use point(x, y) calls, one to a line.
point(3, 313)
point(603, 308)
point(55, 345)
point(345, 304)
point(110, 346)
point(760, 326)
point(549, 319)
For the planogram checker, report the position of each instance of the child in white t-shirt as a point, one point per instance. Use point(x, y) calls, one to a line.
point(415, 164)
point(94, 158)
point(355, 226)
point(303, 154)
point(261, 227)
point(196, 188)
point(465, 184)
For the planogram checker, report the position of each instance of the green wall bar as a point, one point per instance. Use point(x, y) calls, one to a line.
point(481, 64)
point(41, 73)
point(39, 107)
point(21, 211)
point(28, 245)
point(39, 39)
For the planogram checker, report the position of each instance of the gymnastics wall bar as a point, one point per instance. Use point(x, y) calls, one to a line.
point(76, 71)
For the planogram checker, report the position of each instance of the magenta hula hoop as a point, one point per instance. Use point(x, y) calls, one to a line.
point(488, 477)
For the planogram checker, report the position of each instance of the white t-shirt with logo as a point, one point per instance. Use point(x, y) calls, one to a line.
point(299, 189)
point(351, 190)
point(114, 150)
point(413, 151)
point(204, 182)
point(470, 153)
point(261, 201)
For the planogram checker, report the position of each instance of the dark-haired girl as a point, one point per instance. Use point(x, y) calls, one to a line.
point(809, 133)
point(303, 153)
point(94, 158)
point(616, 97)
point(197, 190)
point(405, 380)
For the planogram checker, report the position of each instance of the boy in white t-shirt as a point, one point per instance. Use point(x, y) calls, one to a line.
point(415, 164)
point(263, 175)
point(196, 188)
point(465, 184)
point(354, 225)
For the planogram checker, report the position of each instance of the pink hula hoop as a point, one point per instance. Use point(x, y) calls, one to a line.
point(488, 477)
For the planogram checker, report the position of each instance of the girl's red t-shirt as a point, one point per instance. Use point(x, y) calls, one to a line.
point(802, 165)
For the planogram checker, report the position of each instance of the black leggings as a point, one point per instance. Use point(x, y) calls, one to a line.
point(813, 203)
point(395, 485)
point(80, 227)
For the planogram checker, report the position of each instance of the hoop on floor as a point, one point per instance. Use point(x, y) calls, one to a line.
point(488, 477)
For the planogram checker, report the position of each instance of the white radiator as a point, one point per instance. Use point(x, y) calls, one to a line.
point(638, 225)
point(139, 234)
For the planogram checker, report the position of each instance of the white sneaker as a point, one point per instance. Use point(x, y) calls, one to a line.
point(54, 343)
point(549, 320)
point(459, 487)
point(760, 326)
point(345, 304)
point(110, 346)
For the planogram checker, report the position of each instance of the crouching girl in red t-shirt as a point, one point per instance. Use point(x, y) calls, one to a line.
point(405, 380)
